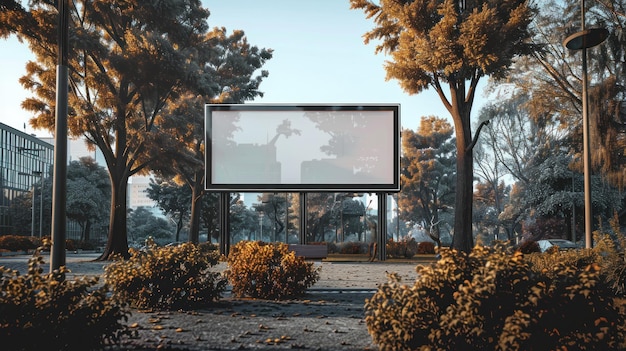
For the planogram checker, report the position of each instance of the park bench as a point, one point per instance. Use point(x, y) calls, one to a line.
point(310, 252)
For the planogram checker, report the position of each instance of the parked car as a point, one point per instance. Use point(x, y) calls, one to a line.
point(562, 244)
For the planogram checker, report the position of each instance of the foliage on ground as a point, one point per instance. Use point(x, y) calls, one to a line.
point(49, 312)
point(174, 277)
point(268, 271)
point(491, 299)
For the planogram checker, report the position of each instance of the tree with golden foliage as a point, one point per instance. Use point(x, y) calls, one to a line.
point(449, 46)
point(128, 60)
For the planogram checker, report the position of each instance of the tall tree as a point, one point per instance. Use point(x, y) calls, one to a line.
point(88, 194)
point(321, 214)
point(552, 80)
point(128, 59)
point(428, 173)
point(231, 64)
point(143, 224)
point(439, 43)
point(172, 199)
point(489, 202)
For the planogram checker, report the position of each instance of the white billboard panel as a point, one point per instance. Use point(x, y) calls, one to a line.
point(255, 147)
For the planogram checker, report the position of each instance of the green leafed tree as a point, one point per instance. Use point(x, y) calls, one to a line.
point(127, 61)
point(143, 224)
point(448, 46)
point(173, 200)
point(88, 194)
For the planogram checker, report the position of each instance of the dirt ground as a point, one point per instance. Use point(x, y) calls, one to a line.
point(321, 320)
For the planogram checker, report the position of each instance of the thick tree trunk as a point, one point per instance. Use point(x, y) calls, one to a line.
point(117, 243)
point(463, 239)
point(87, 230)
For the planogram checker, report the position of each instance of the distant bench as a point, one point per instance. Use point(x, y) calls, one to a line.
point(310, 251)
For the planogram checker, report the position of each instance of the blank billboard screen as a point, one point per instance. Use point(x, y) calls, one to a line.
point(254, 147)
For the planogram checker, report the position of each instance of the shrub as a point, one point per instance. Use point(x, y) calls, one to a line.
point(18, 243)
point(70, 245)
point(612, 257)
point(172, 277)
point(404, 248)
point(545, 228)
point(48, 312)
point(352, 247)
point(491, 299)
point(426, 248)
point(528, 247)
point(606, 253)
point(268, 271)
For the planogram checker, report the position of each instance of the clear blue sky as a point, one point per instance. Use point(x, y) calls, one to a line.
point(319, 57)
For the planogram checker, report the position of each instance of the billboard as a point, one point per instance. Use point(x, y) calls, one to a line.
point(302, 147)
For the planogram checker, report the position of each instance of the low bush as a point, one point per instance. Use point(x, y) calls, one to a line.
point(607, 253)
point(403, 248)
point(491, 299)
point(18, 243)
point(529, 246)
point(47, 312)
point(348, 247)
point(352, 247)
point(172, 277)
point(268, 271)
point(426, 248)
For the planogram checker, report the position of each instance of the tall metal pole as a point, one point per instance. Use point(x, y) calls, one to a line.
point(303, 218)
point(32, 210)
point(59, 187)
point(586, 143)
point(583, 40)
point(41, 202)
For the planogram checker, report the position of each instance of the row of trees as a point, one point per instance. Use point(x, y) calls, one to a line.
point(140, 74)
point(88, 201)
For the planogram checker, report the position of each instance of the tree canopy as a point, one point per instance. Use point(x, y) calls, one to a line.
point(428, 173)
point(433, 43)
point(128, 61)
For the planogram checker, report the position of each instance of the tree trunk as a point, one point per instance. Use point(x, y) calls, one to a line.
point(117, 242)
point(179, 227)
point(463, 239)
point(196, 208)
point(87, 230)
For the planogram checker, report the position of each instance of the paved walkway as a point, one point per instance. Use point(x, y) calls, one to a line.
point(336, 275)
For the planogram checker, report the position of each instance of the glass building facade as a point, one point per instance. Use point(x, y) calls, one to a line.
point(25, 164)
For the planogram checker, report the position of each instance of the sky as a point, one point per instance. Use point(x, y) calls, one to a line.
point(319, 57)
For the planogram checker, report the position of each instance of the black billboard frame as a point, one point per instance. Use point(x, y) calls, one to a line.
point(392, 186)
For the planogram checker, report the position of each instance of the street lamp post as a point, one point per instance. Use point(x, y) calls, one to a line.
point(40, 173)
point(32, 205)
point(583, 40)
point(260, 225)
